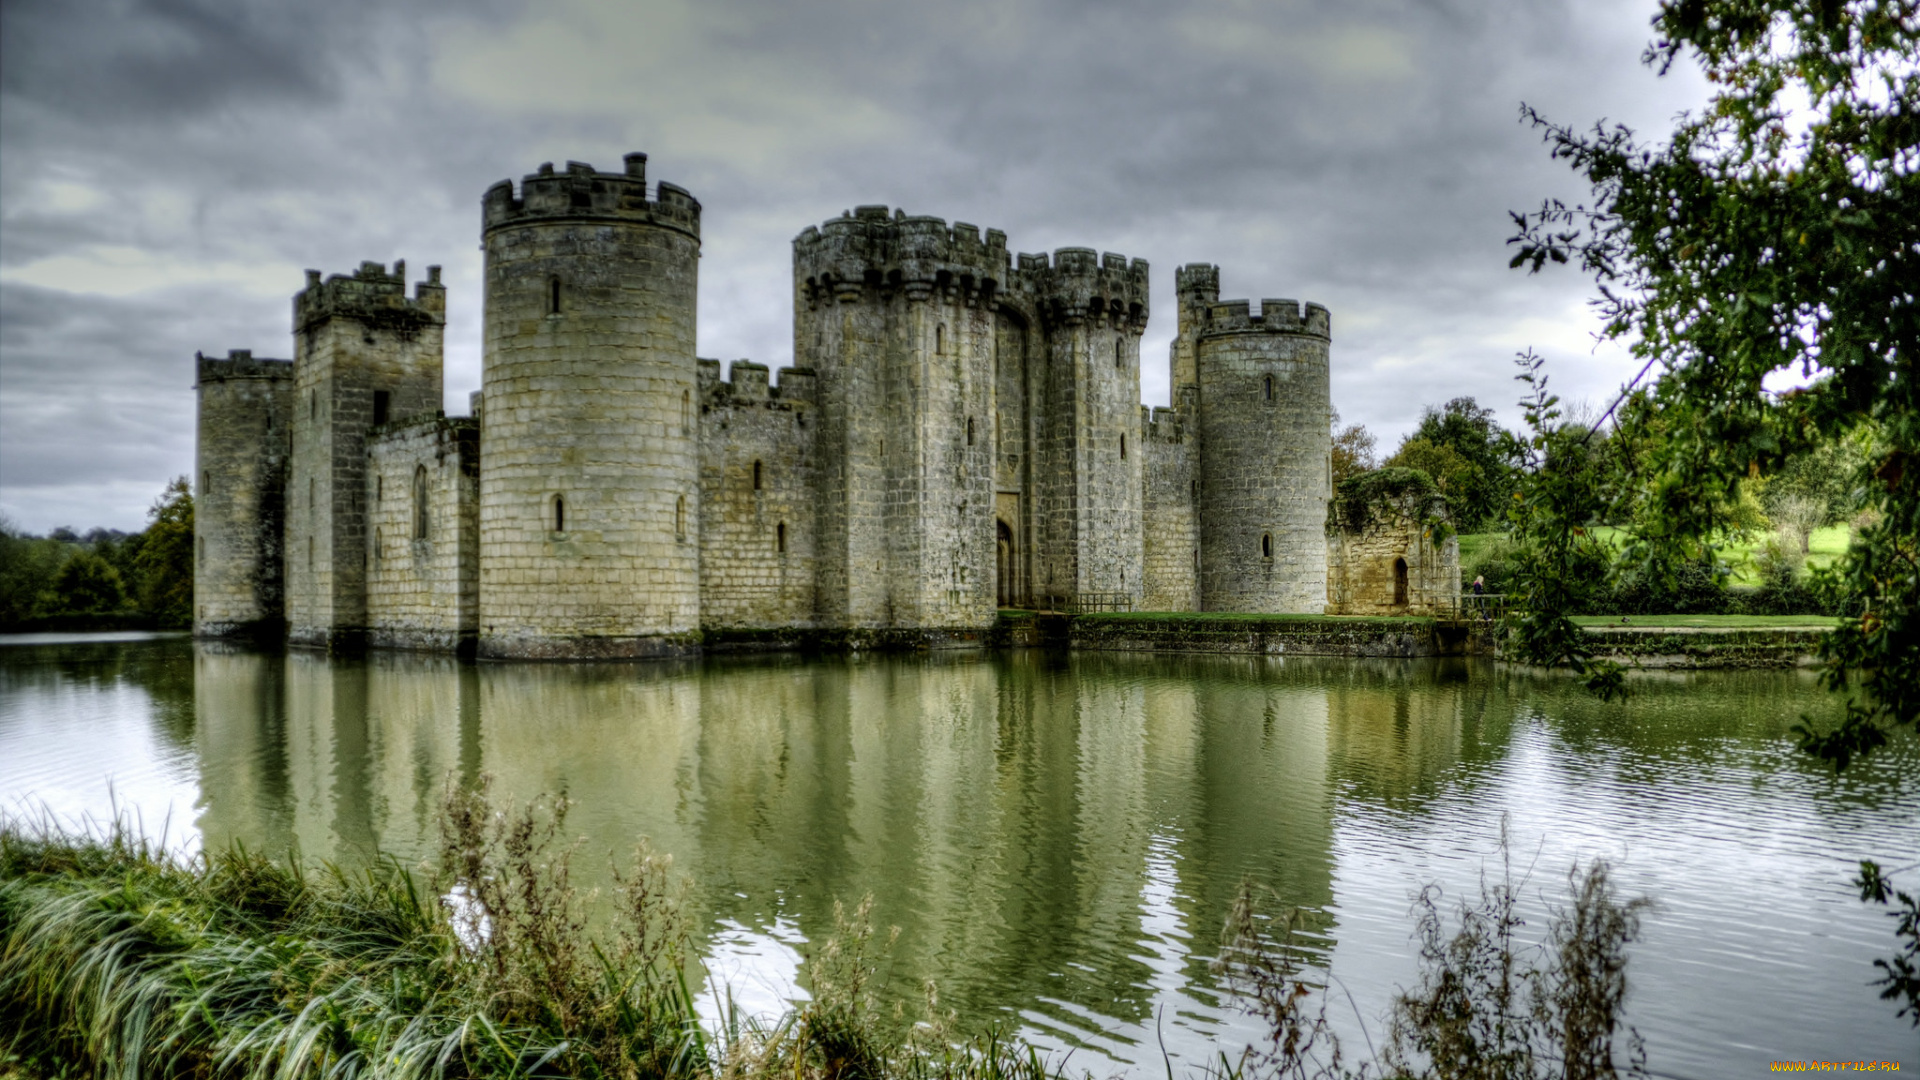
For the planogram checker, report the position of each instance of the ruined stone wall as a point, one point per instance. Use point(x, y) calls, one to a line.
point(240, 472)
point(423, 534)
point(589, 493)
point(1170, 569)
point(1264, 444)
point(757, 498)
point(1365, 549)
point(364, 353)
point(896, 314)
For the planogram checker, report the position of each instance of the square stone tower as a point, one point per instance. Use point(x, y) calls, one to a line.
point(364, 353)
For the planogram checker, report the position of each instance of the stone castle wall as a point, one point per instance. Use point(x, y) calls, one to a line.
point(1171, 561)
point(757, 493)
point(240, 464)
point(423, 534)
point(589, 487)
point(364, 353)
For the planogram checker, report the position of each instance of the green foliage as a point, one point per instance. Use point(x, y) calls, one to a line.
point(166, 557)
point(1902, 978)
point(1741, 249)
point(1468, 456)
point(119, 959)
point(88, 585)
point(27, 567)
point(1361, 498)
point(1353, 449)
point(1554, 554)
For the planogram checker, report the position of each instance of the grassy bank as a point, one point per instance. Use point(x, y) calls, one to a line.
point(118, 960)
point(1824, 545)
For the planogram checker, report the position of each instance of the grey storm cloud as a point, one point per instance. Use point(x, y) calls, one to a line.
point(169, 167)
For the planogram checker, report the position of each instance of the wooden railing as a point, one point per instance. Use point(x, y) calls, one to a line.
point(1481, 607)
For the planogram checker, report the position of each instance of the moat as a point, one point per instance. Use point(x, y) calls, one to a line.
point(1057, 836)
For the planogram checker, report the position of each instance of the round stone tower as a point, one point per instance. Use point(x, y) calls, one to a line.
point(1264, 476)
point(589, 471)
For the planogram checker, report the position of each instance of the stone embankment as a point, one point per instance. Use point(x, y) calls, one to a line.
point(1678, 647)
point(1269, 635)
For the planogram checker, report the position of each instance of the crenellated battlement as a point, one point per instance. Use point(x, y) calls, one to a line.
point(1164, 424)
point(748, 384)
point(372, 296)
point(1199, 282)
point(583, 193)
point(868, 248)
point(1275, 317)
point(1077, 285)
point(238, 364)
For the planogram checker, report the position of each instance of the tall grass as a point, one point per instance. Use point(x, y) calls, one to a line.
point(118, 959)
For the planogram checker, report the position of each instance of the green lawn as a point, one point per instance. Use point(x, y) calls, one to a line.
point(1824, 546)
point(1713, 622)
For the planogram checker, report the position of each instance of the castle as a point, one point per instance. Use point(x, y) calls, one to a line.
point(961, 432)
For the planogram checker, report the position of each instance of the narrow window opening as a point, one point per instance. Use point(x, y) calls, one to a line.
point(553, 296)
point(309, 492)
point(379, 488)
point(206, 483)
point(680, 518)
point(1269, 388)
point(1193, 492)
point(969, 431)
point(1119, 353)
point(382, 401)
point(1123, 448)
point(1399, 583)
point(780, 538)
point(756, 476)
point(1196, 560)
point(309, 553)
point(940, 339)
point(1266, 545)
point(559, 513)
point(420, 502)
point(686, 412)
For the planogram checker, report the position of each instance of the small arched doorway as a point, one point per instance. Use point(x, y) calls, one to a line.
point(1399, 583)
point(1004, 591)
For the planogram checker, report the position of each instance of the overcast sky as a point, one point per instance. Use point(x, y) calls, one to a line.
point(168, 169)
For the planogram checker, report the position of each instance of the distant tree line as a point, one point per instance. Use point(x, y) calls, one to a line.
point(103, 578)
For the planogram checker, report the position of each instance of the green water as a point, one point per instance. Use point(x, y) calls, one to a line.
point(1057, 838)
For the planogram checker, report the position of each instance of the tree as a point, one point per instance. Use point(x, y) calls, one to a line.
point(1466, 453)
point(1776, 234)
point(166, 557)
point(1353, 450)
point(88, 585)
point(1759, 242)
